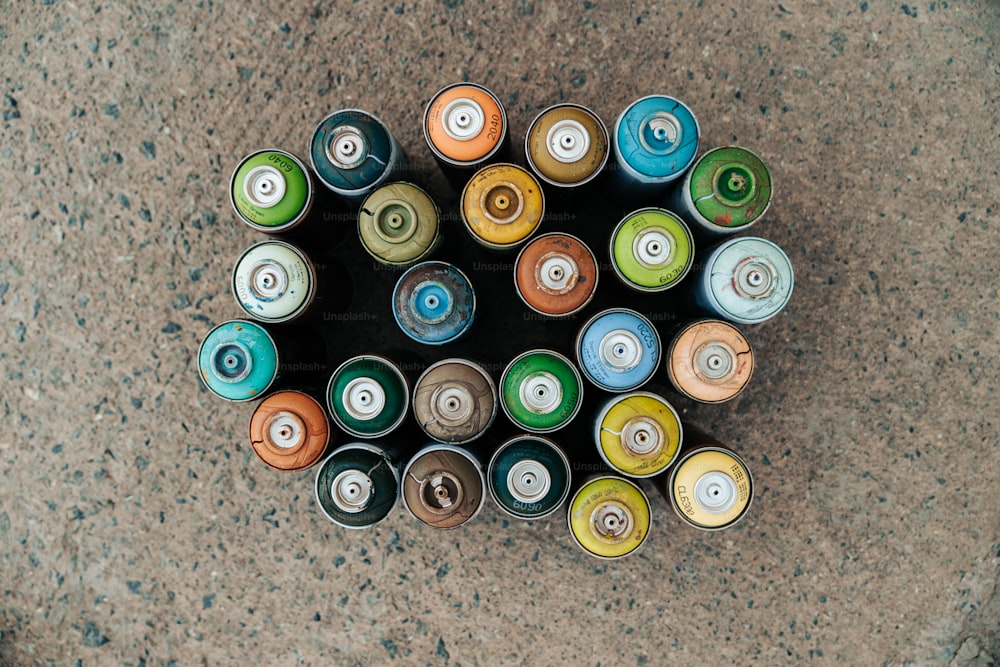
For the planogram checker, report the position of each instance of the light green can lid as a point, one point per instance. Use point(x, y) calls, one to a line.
point(651, 249)
point(271, 191)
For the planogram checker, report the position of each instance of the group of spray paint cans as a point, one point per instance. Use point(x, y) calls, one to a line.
point(440, 477)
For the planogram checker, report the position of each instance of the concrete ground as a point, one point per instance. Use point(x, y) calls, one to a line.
point(138, 527)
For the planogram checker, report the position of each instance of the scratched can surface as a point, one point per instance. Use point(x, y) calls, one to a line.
point(556, 275)
point(529, 477)
point(443, 486)
point(454, 401)
point(271, 191)
point(353, 152)
point(541, 391)
point(357, 485)
point(618, 349)
point(638, 434)
point(655, 141)
point(710, 361)
point(609, 517)
point(710, 487)
point(274, 281)
point(726, 192)
point(465, 125)
point(289, 430)
point(434, 303)
point(502, 205)
point(238, 360)
point(368, 396)
point(399, 224)
point(744, 280)
point(567, 145)
point(651, 250)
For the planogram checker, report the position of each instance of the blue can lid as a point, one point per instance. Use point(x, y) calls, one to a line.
point(434, 303)
point(618, 349)
point(657, 136)
point(238, 360)
point(350, 150)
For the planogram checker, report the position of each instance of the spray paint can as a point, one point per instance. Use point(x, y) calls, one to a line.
point(638, 434)
point(651, 250)
point(454, 401)
point(609, 517)
point(726, 192)
point(567, 145)
point(274, 281)
point(529, 477)
point(271, 191)
point(368, 396)
point(618, 349)
point(556, 275)
point(353, 152)
point(710, 487)
point(655, 141)
point(398, 224)
point(745, 280)
point(289, 430)
point(357, 485)
point(502, 206)
point(434, 303)
point(465, 126)
point(443, 486)
point(238, 360)
point(710, 361)
point(541, 391)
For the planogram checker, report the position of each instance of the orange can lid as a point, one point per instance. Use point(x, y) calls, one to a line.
point(464, 124)
point(556, 274)
point(289, 430)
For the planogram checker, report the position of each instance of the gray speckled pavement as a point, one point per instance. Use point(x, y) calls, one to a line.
point(138, 527)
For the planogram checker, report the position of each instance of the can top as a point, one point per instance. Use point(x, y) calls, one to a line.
point(502, 205)
point(434, 303)
point(730, 187)
point(639, 434)
point(609, 517)
point(567, 145)
point(238, 360)
point(710, 361)
point(289, 430)
point(271, 191)
point(464, 124)
point(657, 136)
point(556, 274)
point(357, 485)
point(711, 488)
point(541, 391)
point(443, 486)
point(618, 349)
point(454, 401)
point(749, 279)
point(273, 281)
point(398, 223)
point(652, 249)
point(368, 396)
point(529, 477)
point(351, 150)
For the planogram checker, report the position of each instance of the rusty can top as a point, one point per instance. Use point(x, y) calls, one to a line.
point(289, 430)
point(454, 401)
point(556, 275)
